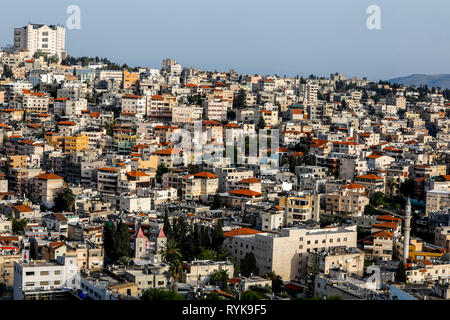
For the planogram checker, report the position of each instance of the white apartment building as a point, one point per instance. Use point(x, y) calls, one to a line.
point(229, 177)
point(309, 92)
point(44, 275)
point(216, 109)
point(186, 113)
point(436, 200)
point(287, 253)
point(49, 39)
point(35, 102)
point(69, 107)
point(134, 104)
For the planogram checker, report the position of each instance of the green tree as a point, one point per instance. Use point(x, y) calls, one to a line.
point(261, 123)
point(109, 231)
point(172, 254)
point(277, 282)
point(217, 201)
point(249, 265)
point(7, 71)
point(161, 294)
point(377, 199)
point(207, 254)
point(407, 188)
point(239, 101)
point(53, 59)
point(204, 238)
point(217, 237)
point(64, 200)
point(250, 295)
point(40, 53)
point(180, 229)
point(125, 261)
point(121, 241)
point(162, 168)
point(400, 275)
point(220, 278)
point(18, 225)
point(213, 296)
point(110, 128)
point(167, 228)
point(188, 248)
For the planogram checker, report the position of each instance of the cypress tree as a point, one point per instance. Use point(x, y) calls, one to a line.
point(400, 276)
point(248, 265)
point(167, 227)
point(109, 231)
point(217, 235)
point(122, 239)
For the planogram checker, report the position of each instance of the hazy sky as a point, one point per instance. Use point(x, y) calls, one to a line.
point(253, 36)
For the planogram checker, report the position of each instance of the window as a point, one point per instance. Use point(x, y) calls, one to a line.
point(57, 282)
point(29, 284)
point(43, 283)
point(44, 273)
point(57, 272)
point(29, 273)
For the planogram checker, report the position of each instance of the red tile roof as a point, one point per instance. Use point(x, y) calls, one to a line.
point(245, 192)
point(23, 208)
point(250, 180)
point(49, 176)
point(240, 232)
point(384, 234)
point(370, 176)
point(137, 174)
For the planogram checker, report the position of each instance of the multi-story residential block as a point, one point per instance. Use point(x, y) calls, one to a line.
point(350, 260)
point(350, 200)
point(372, 182)
point(37, 277)
point(200, 186)
point(299, 209)
point(216, 109)
point(49, 39)
point(46, 186)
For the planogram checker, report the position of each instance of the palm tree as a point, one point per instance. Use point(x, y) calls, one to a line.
point(277, 282)
point(124, 260)
point(172, 254)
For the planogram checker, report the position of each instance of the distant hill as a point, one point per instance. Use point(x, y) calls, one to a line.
point(437, 80)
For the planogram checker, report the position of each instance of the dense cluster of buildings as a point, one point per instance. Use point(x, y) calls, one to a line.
point(290, 167)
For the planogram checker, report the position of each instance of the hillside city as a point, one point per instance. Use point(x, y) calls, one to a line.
point(175, 183)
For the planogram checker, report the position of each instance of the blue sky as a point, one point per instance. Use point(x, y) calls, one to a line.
point(253, 36)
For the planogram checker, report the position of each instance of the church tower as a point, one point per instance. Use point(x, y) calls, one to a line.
point(161, 241)
point(141, 244)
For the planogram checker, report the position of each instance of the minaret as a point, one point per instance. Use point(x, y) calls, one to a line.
point(406, 230)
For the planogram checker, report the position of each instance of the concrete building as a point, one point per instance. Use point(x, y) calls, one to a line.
point(287, 253)
point(46, 186)
point(350, 200)
point(32, 277)
point(350, 260)
point(299, 209)
point(49, 39)
point(436, 200)
point(197, 272)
